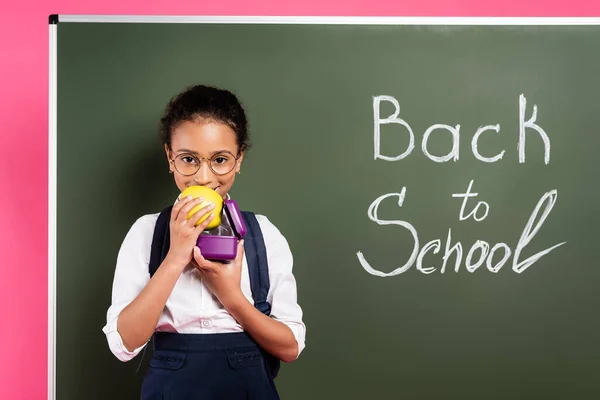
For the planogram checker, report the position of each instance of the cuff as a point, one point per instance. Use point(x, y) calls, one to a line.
point(115, 342)
point(299, 334)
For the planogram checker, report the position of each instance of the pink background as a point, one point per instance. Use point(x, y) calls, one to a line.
point(24, 122)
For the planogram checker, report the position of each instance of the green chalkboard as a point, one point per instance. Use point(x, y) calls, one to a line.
point(316, 96)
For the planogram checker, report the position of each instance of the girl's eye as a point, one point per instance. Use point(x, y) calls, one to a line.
point(188, 160)
point(220, 160)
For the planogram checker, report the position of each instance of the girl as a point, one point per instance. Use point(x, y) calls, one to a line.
point(208, 331)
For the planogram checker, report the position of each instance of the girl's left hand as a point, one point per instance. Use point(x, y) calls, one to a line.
point(223, 279)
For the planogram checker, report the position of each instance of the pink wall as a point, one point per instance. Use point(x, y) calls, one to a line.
point(23, 116)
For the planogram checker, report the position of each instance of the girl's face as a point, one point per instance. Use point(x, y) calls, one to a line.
point(203, 140)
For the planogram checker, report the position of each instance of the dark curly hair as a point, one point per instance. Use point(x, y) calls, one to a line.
point(201, 102)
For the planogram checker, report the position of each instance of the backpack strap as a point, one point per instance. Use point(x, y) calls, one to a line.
point(161, 241)
point(258, 266)
point(258, 269)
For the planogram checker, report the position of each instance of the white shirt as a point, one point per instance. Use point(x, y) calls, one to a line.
point(191, 307)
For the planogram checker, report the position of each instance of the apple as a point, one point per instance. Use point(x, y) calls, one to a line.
point(210, 196)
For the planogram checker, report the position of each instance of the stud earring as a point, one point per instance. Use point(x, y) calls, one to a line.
point(170, 171)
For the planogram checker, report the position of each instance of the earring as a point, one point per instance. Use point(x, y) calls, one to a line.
point(170, 171)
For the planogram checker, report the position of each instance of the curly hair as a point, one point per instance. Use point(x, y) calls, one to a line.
point(205, 103)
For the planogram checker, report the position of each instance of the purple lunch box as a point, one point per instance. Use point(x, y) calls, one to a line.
point(220, 243)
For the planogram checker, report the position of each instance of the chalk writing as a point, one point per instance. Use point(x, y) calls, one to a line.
point(479, 253)
point(456, 250)
point(453, 154)
point(473, 213)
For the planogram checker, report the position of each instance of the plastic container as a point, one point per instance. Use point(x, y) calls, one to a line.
point(220, 244)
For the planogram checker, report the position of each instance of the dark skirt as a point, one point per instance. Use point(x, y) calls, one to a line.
point(207, 366)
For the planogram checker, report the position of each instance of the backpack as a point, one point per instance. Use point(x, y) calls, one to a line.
point(256, 256)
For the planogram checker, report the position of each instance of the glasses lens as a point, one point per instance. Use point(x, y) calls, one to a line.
point(222, 163)
point(186, 164)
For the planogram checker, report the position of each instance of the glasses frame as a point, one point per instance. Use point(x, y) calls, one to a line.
point(200, 159)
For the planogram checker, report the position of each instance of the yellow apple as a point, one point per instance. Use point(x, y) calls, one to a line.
point(210, 196)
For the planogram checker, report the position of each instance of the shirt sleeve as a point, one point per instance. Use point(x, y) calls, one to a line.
point(131, 276)
point(283, 291)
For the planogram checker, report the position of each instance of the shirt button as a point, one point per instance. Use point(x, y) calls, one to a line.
point(206, 323)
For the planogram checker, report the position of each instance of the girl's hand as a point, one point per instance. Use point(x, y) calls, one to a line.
point(183, 232)
point(223, 279)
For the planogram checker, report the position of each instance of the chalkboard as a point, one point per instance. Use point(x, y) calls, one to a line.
point(377, 148)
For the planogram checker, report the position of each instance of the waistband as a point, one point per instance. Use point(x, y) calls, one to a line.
point(201, 342)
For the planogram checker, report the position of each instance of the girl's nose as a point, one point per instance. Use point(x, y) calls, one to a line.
point(204, 175)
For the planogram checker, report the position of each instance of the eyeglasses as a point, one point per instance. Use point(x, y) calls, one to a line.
point(220, 164)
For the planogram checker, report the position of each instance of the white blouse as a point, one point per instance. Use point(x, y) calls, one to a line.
point(191, 307)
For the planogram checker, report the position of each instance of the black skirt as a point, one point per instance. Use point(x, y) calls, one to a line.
point(207, 366)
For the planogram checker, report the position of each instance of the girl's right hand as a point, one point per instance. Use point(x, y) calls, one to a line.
point(183, 232)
